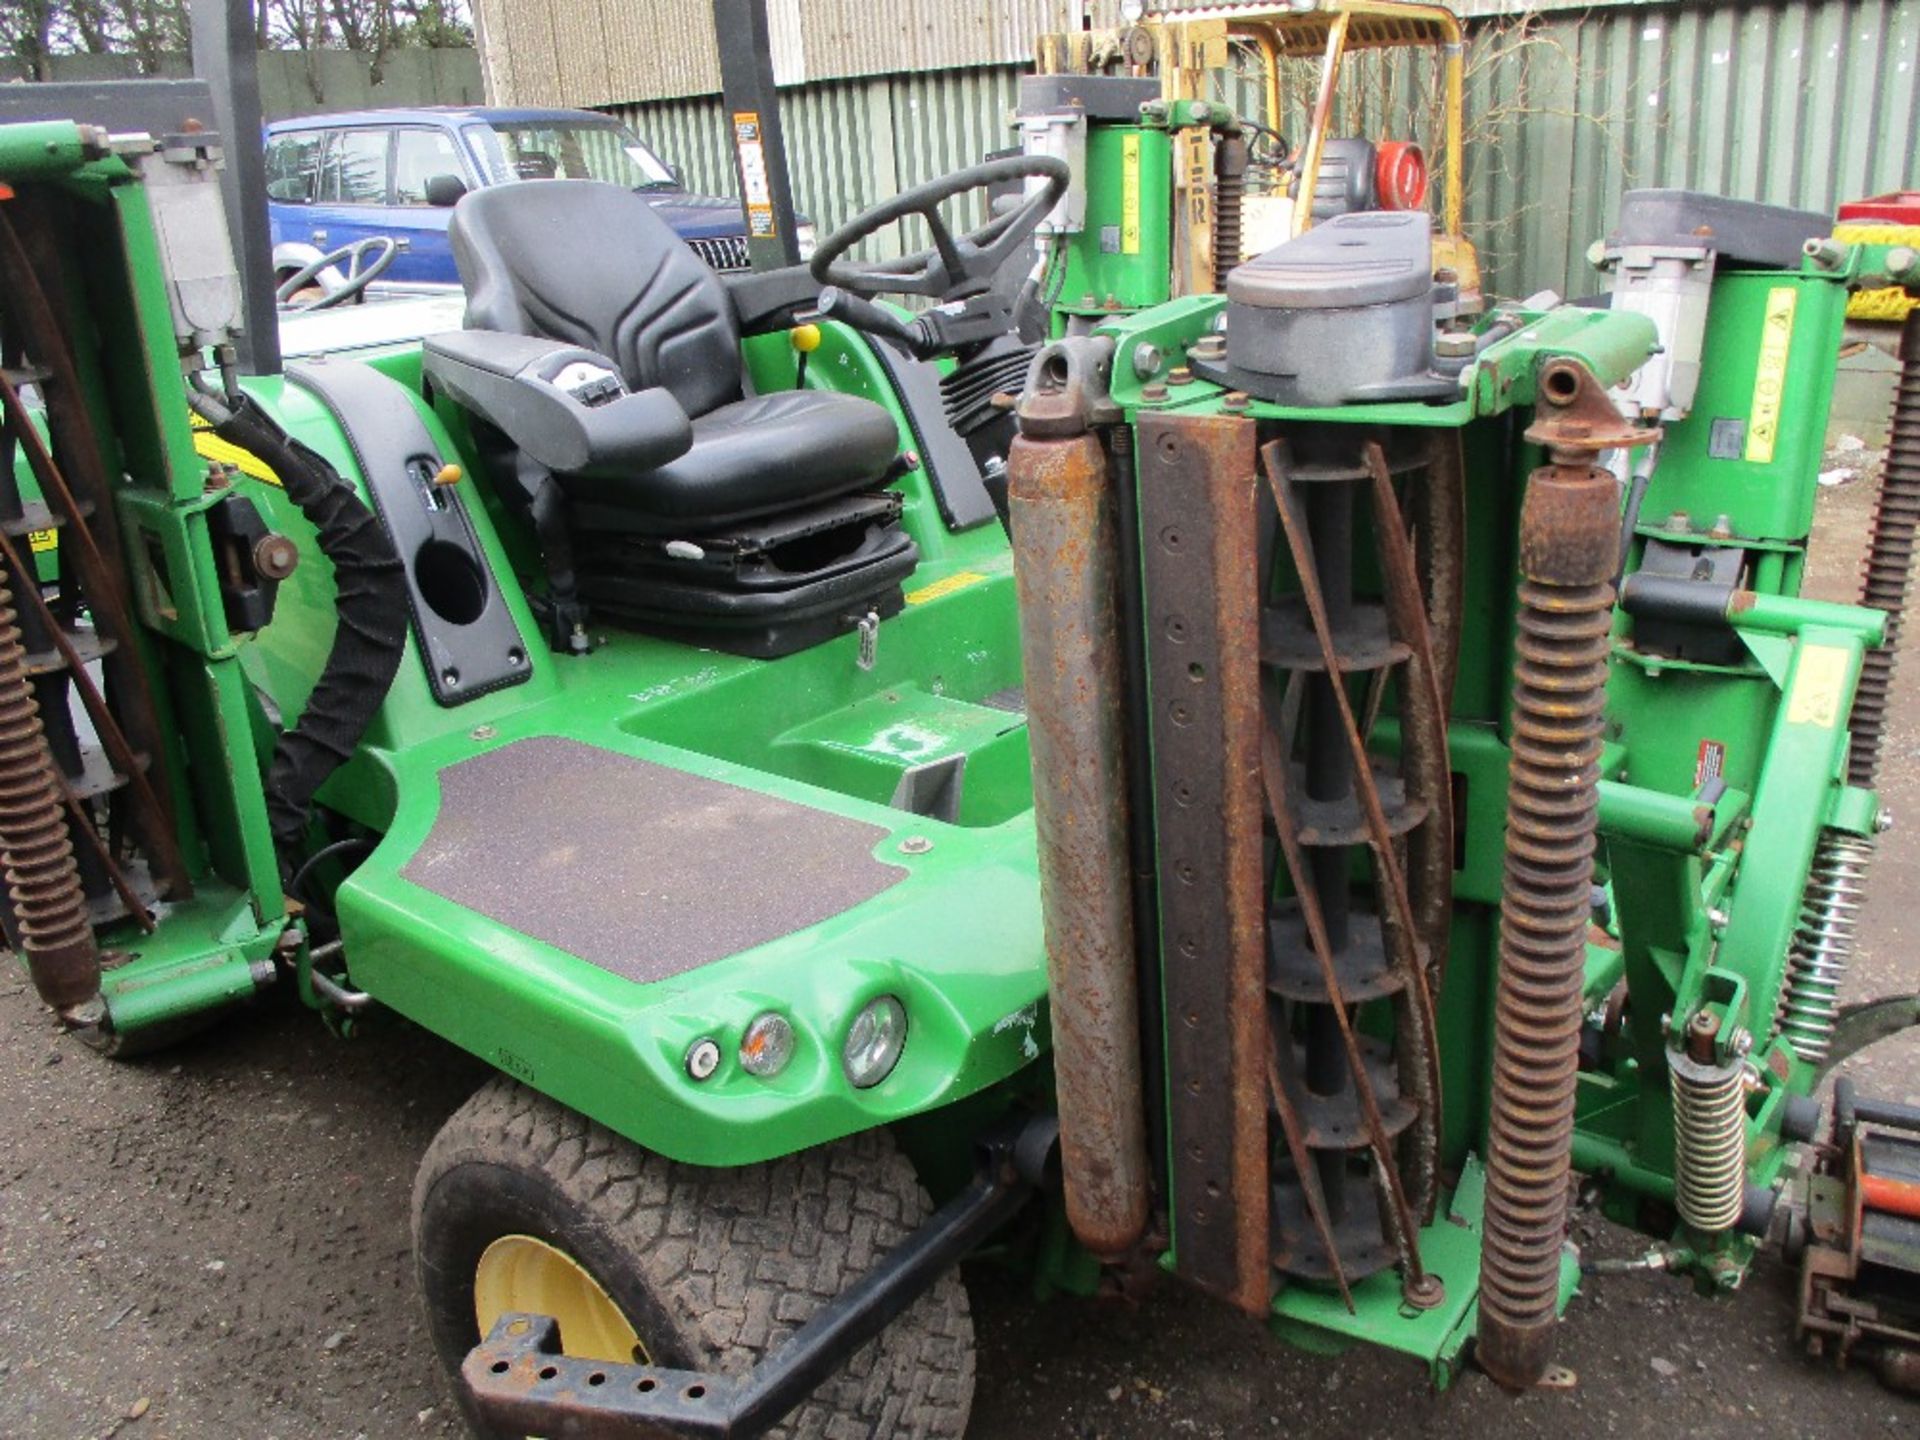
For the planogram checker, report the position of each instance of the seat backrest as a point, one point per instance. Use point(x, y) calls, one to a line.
point(591, 264)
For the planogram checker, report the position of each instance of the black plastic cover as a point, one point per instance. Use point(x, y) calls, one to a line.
point(469, 640)
point(1374, 258)
point(1743, 232)
point(1099, 97)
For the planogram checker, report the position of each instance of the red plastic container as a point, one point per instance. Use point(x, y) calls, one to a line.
point(1901, 207)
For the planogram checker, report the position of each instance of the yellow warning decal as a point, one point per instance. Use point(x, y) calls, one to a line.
point(1129, 194)
point(1817, 682)
point(211, 447)
point(42, 540)
point(959, 580)
point(1770, 379)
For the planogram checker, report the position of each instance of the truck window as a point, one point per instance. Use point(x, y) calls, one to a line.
point(418, 156)
point(354, 169)
point(292, 163)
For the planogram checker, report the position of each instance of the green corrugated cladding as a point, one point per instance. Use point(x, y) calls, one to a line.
point(1804, 104)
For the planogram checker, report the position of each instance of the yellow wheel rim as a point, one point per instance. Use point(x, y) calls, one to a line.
point(520, 1273)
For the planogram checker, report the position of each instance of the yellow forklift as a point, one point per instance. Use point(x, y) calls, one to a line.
point(1223, 125)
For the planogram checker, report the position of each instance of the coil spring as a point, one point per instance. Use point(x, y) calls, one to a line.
point(42, 880)
point(1887, 570)
point(1823, 945)
point(1567, 527)
point(1709, 1142)
point(1230, 187)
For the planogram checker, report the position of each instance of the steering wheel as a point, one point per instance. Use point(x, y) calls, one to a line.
point(957, 266)
point(360, 273)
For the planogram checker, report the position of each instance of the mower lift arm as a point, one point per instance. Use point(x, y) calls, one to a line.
point(522, 1385)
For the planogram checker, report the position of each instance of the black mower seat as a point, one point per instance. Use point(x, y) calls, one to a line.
point(591, 265)
point(603, 358)
point(756, 456)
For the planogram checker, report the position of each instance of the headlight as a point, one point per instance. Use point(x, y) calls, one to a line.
point(805, 236)
point(767, 1045)
point(874, 1042)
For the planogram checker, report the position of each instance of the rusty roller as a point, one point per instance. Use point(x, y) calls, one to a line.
point(1569, 542)
point(1887, 570)
point(1061, 510)
point(43, 882)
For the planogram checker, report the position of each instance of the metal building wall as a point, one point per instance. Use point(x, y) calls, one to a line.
point(612, 52)
point(1803, 103)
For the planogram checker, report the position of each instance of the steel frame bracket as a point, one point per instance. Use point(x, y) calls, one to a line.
point(521, 1384)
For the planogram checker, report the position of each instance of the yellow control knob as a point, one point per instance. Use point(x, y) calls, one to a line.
point(805, 338)
point(447, 475)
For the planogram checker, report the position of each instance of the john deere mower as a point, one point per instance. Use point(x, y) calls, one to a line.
point(1378, 766)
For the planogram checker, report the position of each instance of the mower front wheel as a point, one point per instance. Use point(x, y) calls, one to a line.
point(522, 1204)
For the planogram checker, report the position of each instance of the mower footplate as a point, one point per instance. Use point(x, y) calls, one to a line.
point(638, 868)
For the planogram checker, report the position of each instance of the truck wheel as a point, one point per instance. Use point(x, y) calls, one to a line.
point(522, 1204)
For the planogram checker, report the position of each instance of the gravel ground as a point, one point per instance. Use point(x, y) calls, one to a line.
point(213, 1244)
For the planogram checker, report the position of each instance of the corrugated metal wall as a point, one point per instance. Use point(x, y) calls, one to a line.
point(607, 52)
point(1805, 103)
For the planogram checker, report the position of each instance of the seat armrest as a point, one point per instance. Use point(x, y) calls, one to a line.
point(565, 407)
point(768, 300)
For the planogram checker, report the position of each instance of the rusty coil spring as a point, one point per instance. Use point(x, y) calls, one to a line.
point(43, 882)
point(1887, 570)
point(1229, 190)
point(1567, 549)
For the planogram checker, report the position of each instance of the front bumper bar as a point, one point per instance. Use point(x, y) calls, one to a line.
point(521, 1384)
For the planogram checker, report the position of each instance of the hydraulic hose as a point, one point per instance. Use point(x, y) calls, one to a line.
point(370, 604)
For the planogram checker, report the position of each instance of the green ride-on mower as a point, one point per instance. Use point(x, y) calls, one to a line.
point(1358, 771)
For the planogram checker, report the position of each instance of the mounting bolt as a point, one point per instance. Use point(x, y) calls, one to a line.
point(1424, 1293)
point(915, 845)
point(1234, 400)
point(1153, 393)
point(1826, 253)
point(1883, 822)
point(275, 556)
point(482, 732)
point(1900, 261)
point(1147, 360)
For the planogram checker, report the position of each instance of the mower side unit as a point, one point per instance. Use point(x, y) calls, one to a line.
point(152, 897)
point(1477, 684)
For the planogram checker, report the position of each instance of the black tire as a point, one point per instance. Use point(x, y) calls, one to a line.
point(712, 1267)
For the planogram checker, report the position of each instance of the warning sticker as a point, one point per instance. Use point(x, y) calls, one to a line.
point(1129, 194)
point(1770, 379)
point(1710, 763)
point(211, 447)
point(754, 186)
point(959, 580)
point(42, 540)
point(1817, 682)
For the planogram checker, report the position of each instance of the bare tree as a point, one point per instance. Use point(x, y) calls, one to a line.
point(27, 32)
point(33, 31)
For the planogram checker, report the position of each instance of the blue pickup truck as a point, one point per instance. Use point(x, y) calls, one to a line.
point(336, 179)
